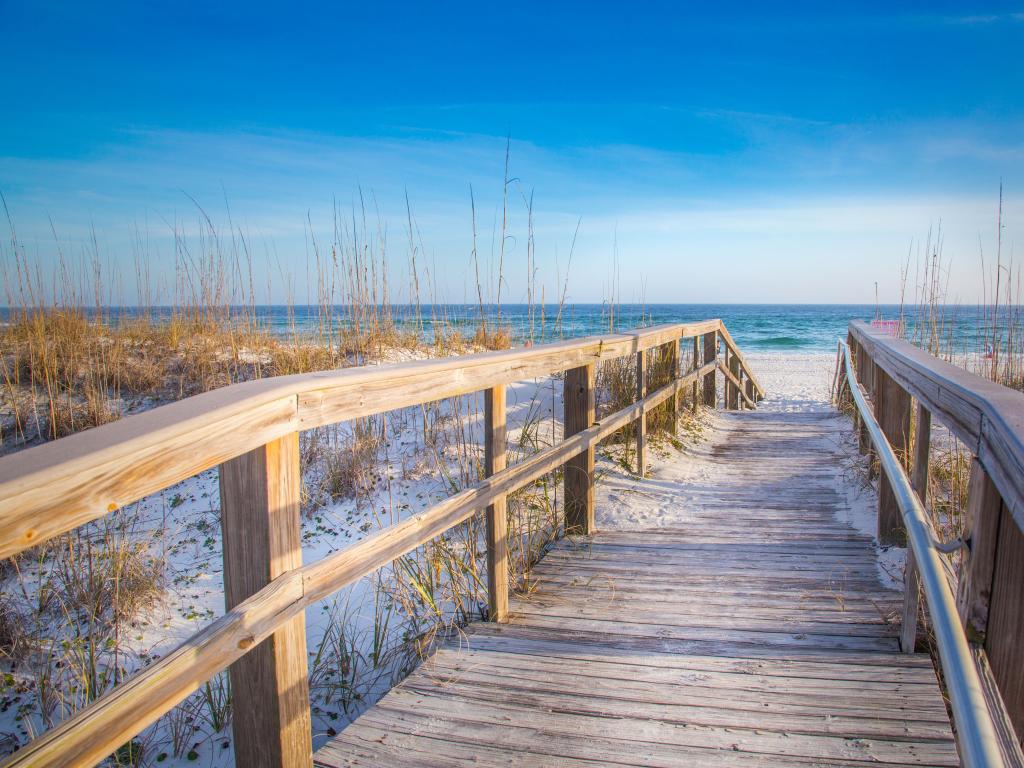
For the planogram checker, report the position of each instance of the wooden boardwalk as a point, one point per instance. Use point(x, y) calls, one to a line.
point(754, 632)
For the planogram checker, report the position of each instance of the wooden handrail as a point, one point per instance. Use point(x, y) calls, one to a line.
point(989, 419)
point(98, 729)
point(986, 416)
point(735, 350)
point(245, 428)
point(975, 731)
point(56, 487)
point(731, 377)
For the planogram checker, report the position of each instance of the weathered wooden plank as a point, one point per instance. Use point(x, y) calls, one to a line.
point(526, 711)
point(641, 423)
point(737, 389)
point(911, 580)
point(1009, 743)
point(735, 350)
point(579, 401)
point(555, 689)
point(673, 365)
point(982, 528)
point(695, 404)
point(1005, 621)
point(892, 667)
point(792, 682)
point(734, 389)
point(710, 356)
point(262, 537)
point(496, 514)
point(892, 409)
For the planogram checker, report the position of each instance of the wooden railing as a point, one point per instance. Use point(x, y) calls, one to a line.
point(989, 419)
point(251, 431)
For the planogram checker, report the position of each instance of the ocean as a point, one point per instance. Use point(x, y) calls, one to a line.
point(756, 327)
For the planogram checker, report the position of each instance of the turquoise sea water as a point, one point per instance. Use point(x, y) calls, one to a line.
point(756, 327)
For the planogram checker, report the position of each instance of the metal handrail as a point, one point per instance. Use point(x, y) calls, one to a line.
point(976, 734)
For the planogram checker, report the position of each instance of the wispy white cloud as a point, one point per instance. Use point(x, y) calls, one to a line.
point(808, 198)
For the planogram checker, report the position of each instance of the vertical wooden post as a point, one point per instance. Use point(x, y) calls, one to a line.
point(579, 402)
point(497, 519)
point(641, 423)
point(892, 409)
point(863, 436)
point(259, 497)
point(977, 567)
point(710, 354)
point(734, 392)
point(696, 364)
point(911, 580)
point(726, 384)
point(750, 390)
point(672, 350)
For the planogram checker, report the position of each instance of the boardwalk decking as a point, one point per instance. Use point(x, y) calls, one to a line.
point(753, 631)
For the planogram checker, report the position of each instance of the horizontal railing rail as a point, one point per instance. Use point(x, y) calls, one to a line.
point(986, 416)
point(245, 429)
point(55, 487)
point(976, 735)
point(988, 420)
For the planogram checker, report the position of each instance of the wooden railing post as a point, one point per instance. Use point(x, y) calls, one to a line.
point(579, 403)
point(750, 390)
point(672, 350)
point(861, 359)
point(641, 422)
point(259, 496)
point(977, 566)
point(733, 403)
point(892, 409)
point(710, 354)
point(919, 478)
point(726, 384)
point(696, 364)
point(497, 519)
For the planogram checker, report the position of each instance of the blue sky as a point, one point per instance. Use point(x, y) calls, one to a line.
point(767, 152)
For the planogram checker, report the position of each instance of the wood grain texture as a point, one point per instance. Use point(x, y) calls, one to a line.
point(735, 350)
point(911, 580)
point(694, 394)
point(710, 356)
point(982, 528)
point(892, 409)
point(737, 388)
point(753, 633)
point(579, 401)
point(261, 532)
point(672, 407)
point(1009, 744)
point(497, 514)
point(641, 424)
point(1005, 627)
point(727, 385)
